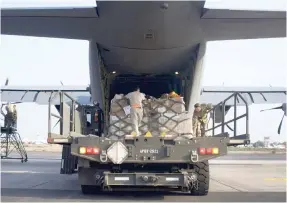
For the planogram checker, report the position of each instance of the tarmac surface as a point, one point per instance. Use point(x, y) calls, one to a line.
point(234, 178)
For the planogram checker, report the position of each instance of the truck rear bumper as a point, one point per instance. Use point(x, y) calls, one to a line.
point(146, 179)
point(111, 181)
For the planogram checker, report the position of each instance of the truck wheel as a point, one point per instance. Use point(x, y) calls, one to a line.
point(202, 172)
point(89, 189)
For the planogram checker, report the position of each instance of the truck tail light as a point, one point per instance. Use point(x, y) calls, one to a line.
point(208, 151)
point(89, 150)
point(202, 151)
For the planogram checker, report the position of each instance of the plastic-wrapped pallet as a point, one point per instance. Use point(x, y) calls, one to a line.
point(176, 124)
point(169, 117)
point(160, 115)
point(172, 124)
point(117, 107)
point(119, 121)
point(176, 105)
point(119, 127)
point(173, 105)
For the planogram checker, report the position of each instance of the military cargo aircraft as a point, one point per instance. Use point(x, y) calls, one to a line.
point(158, 46)
point(154, 43)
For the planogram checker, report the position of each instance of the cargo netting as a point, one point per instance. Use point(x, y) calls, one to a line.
point(161, 117)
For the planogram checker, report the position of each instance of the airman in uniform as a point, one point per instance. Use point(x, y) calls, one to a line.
point(8, 117)
point(200, 118)
point(195, 119)
point(14, 116)
point(135, 100)
point(203, 119)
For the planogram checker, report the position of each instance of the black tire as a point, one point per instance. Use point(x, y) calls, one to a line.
point(89, 189)
point(202, 172)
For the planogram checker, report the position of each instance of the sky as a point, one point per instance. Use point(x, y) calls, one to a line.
point(47, 61)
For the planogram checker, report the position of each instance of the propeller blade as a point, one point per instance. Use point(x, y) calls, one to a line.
point(279, 107)
point(61, 83)
point(280, 125)
point(284, 108)
point(7, 82)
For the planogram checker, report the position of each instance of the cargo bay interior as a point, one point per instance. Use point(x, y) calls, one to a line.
point(115, 71)
point(154, 83)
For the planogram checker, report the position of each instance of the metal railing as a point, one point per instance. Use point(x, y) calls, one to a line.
point(72, 106)
point(223, 124)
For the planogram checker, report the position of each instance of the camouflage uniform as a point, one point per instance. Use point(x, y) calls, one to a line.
point(8, 120)
point(195, 121)
point(196, 126)
point(200, 119)
point(203, 119)
point(14, 116)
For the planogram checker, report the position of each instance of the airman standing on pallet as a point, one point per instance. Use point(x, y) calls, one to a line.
point(135, 100)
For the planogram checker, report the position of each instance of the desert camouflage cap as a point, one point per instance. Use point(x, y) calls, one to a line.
point(197, 105)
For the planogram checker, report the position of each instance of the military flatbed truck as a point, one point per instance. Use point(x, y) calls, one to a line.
point(139, 163)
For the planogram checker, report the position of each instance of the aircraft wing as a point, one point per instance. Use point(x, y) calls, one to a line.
point(209, 94)
point(252, 95)
point(41, 95)
point(73, 23)
point(79, 23)
point(224, 24)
